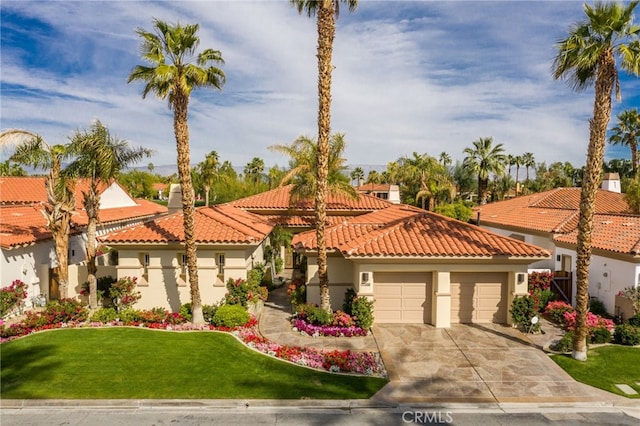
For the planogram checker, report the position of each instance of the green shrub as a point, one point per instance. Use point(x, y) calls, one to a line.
point(599, 335)
point(279, 264)
point(255, 275)
point(185, 311)
point(635, 320)
point(626, 334)
point(230, 316)
point(362, 312)
point(208, 311)
point(565, 344)
point(128, 316)
point(596, 307)
point(523, 308)
point(104, 315)
point(318, 316)
point(349, 296)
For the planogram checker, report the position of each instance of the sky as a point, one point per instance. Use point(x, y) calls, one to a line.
point(410, 76)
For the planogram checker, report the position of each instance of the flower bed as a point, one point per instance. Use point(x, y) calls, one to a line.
point(367, 363)
point(327, 330)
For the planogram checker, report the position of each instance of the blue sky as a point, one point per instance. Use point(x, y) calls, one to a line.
point(416, 76)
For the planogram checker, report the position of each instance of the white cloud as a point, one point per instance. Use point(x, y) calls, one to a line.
point(410, 76)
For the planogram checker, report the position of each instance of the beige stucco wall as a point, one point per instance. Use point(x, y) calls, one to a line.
point(164, 283)
point(340, 279)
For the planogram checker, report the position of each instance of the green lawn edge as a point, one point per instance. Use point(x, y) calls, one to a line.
point(605, 367)
point(131, 363)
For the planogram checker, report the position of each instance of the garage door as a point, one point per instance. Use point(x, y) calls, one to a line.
point(478, 297)
point(402, 297)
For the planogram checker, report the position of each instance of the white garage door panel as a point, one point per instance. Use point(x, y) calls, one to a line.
point(402, 297)
point(478, 297)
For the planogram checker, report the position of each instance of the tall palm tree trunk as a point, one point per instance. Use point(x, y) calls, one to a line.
point(326, 34)
point(634, 154)
point(181, 130)
point(92, 205)
point(605, 80)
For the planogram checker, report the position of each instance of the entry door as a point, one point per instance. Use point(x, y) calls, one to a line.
point(54, 284)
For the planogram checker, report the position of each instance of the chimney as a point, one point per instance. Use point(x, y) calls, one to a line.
point(611, 182)
point(175, 198)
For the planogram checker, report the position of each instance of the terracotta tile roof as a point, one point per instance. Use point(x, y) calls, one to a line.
point(31, 189)
point(218, 224)
point(278, 200)
point(554, 211)
point(302, 221)
point(367, 187)
point(619, 234)
point(404, 231)
point(23, 225)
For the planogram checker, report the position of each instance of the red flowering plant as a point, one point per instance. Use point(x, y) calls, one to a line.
point(123, 293)
point(12, 297)
point(539, 286)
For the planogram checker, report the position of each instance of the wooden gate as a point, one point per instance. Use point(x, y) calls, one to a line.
point(54, 284)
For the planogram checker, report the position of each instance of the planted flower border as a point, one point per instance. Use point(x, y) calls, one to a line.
point(361, 363)
point(312, 330)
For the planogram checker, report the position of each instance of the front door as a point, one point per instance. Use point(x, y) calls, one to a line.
point(54, 284)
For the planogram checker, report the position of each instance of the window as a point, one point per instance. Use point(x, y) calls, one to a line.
point(220, 262)
point(144, 262)
point(182, 262)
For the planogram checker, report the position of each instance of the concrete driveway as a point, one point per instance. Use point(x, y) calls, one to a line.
point(473, 363)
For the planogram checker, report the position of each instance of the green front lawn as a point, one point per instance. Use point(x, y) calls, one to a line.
point(131, 363)
point(605, 367)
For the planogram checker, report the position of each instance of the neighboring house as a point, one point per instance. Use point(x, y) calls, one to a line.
point(381, 190)
point(27, 249)
point(229, 241)
point(421, 267)
point(550, 219)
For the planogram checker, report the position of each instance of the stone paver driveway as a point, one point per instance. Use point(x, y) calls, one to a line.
point(473, 363)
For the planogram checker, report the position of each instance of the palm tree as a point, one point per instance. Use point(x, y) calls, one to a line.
point(627, 132)
point(374, 177)
point(61, 201)
point(171, 50)
point(303, 155)
point(589, 55)
point(428, 177)
point(326, 12)
point(528, 161)
point(445, 159)
point(511, 161)
point(519, 162)
point(253, 170)
point(484, 159)
point(101, 158)
point(208, 172)
point(357, 175)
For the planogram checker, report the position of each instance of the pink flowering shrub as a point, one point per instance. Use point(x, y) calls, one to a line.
point(123, 293)
point(555, 311)
point(593, 321)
